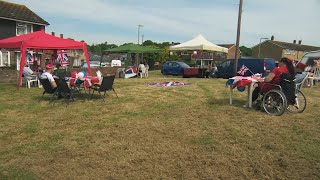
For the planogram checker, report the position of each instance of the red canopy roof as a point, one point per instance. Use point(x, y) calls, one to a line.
point(40, 40)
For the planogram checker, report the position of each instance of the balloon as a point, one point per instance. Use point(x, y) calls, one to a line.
point(84, 73)
point(241, 89)
point(80, 75)
point(74, 74)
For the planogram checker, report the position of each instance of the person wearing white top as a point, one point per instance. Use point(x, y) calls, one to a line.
point(141, 66)
point(48, 75)
point(28, 73)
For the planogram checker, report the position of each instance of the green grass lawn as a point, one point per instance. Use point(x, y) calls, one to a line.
point(187, 132)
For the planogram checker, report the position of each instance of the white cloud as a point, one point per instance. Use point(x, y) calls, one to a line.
point(181, 20)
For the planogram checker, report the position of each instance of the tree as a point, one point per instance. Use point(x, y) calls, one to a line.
point(149, 43)
point(97, 49)
point(245, 51)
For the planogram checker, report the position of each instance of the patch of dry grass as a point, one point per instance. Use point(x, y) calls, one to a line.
point(188, 132)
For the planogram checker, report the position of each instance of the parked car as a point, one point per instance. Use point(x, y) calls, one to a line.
point(94, 64)
point(309, 57)
point(173, 68)
point(115, 63)
point(256, 65)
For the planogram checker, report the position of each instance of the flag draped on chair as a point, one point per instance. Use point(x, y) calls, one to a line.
point(62, 57)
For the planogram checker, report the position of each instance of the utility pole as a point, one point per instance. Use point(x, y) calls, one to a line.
point(238, 38)
point(139, 26)
point(142, 37)
point(260, 45)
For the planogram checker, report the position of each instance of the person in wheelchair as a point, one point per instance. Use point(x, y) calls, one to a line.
point(274, 78)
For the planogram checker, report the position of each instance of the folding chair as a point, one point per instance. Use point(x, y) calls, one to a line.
point(106, 85)
point(48, 88)
point(64, 90)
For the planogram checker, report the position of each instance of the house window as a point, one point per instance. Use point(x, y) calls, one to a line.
point(4, 59)
point(23, 28)
point(287, 51)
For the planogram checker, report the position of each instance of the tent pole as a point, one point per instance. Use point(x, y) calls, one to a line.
point(22, 61)
point(85, 50)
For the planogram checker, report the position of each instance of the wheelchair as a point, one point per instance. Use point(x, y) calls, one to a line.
point(275, 102)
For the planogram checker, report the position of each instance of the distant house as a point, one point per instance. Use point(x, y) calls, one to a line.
point(15, 20)
point(218, 57)
point(277, 49)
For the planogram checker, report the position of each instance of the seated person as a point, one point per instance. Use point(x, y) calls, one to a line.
point(60, 72)
point(28, 73)
point(48, 75)
point(285, 66)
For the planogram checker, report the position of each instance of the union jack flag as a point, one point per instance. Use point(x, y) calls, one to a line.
point(243, 70)
point(30, 57)
point(62, 57)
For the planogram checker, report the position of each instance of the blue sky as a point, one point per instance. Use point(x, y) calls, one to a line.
point(115, 21)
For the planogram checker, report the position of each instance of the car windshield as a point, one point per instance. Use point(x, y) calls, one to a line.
point(308, 58)
point(184, 65)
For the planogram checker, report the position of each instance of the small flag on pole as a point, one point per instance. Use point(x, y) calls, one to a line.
point(243, 70)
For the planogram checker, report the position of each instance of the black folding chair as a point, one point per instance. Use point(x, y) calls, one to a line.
point(48, 88)
point(64, 90)
point(106, 85)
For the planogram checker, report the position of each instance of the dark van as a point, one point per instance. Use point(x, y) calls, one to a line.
point(256, 65)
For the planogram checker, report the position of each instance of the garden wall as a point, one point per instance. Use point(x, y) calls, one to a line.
point(8, 75)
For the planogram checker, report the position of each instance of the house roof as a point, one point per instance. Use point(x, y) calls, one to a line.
point(12, 11)
point(291, 46)
point(226, 45)
point(297, 47)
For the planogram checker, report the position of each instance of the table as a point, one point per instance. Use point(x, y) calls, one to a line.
point(242, 82)
point(87, 81)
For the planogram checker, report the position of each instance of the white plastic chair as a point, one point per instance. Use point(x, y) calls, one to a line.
point(29, 81)
point(315, 76)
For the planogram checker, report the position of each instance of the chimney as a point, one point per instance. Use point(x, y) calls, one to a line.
point(300, 41)
point(52, 33)
point(294, 41)
point(61, 35)
point(272, 38)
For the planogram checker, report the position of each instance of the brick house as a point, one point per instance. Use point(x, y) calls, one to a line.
point(277, 49)
point(16, 19)
point(231, 52)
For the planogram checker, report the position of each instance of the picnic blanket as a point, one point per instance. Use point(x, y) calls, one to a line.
point(167, 84)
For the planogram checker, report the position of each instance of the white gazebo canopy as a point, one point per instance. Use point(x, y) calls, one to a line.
point(198, 43)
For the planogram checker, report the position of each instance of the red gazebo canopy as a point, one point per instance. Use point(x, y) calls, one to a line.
point(41, 40)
